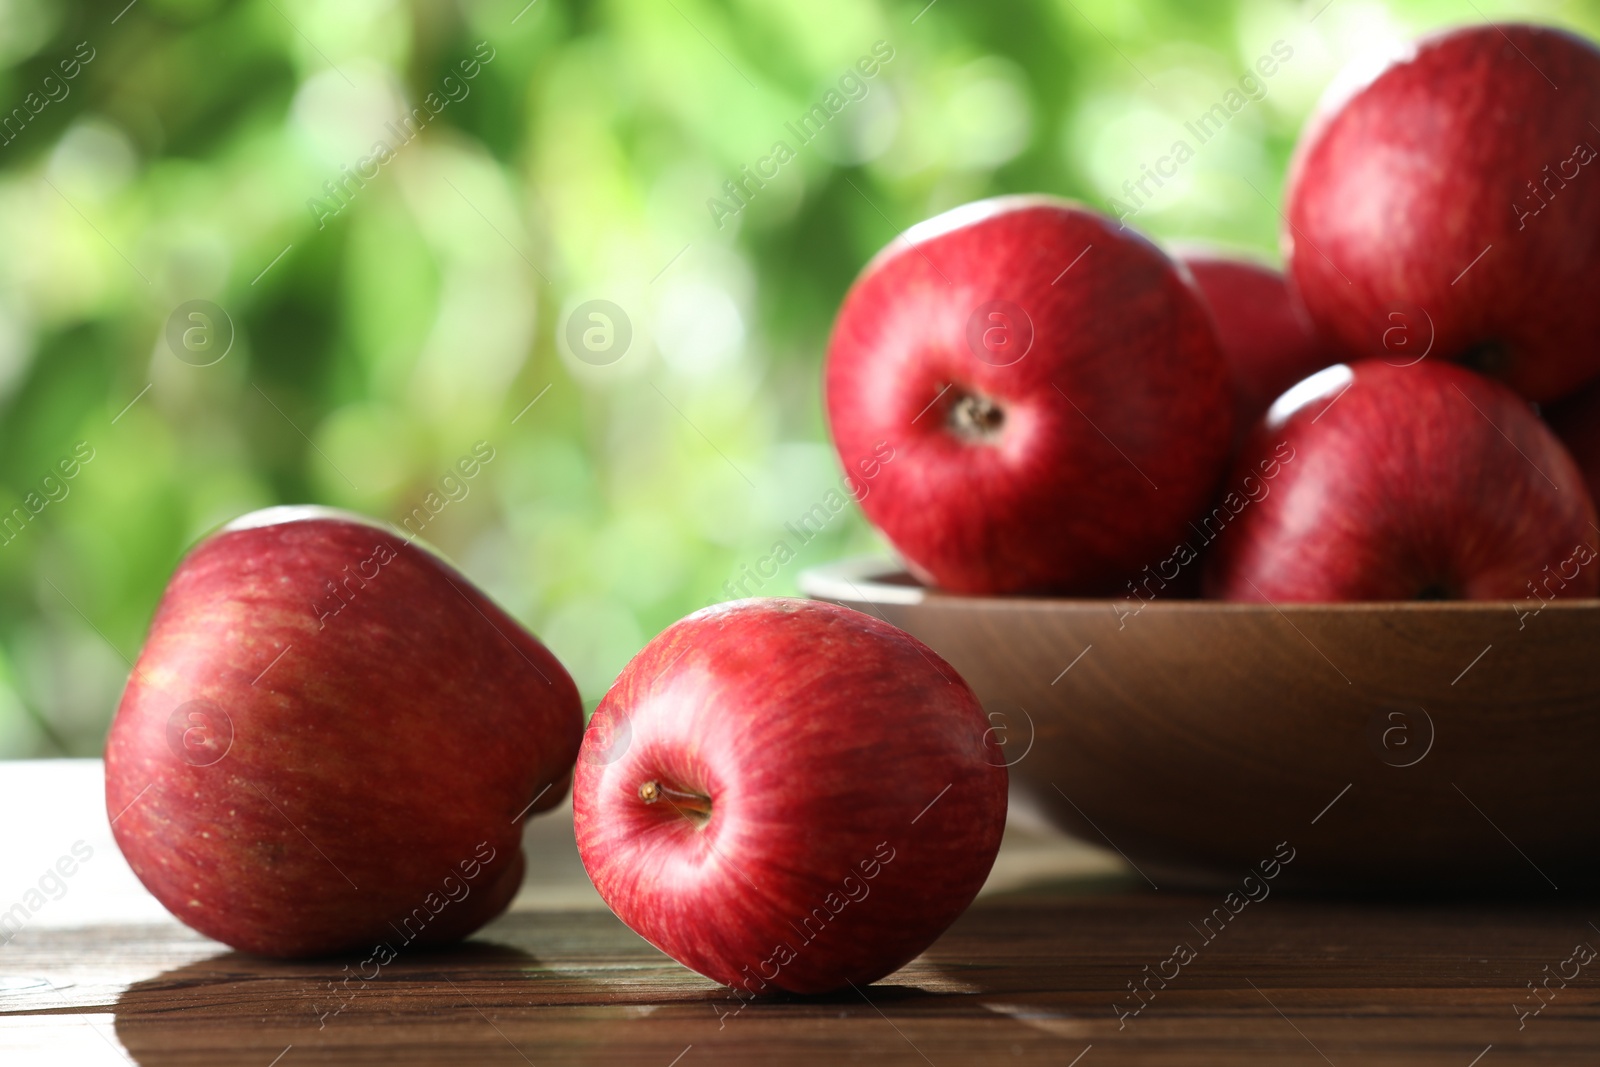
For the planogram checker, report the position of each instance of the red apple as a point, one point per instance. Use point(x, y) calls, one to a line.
point(330, 741)
point(789, 794)
point(1268, 338)
point(1050, 388)
point(1375, 482)
point(1576, 420)
point(1452, 201)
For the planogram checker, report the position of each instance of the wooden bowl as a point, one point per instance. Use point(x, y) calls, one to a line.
point(1436, 745)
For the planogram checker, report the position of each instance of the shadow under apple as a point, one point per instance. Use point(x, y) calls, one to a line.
point(236, 1008)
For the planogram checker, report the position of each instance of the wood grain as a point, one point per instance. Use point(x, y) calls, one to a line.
point(1023, 978)
point(1030, 975)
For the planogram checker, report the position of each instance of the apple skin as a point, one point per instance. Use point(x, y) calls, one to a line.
point(846, 768)
point(333, 792)
point(1399, 186)
point(1406, 483)
point(1267, 335)
point(1065, 469)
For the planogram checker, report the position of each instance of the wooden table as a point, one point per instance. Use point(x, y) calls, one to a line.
point(1029, 975)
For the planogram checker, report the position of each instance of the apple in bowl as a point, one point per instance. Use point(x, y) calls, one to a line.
point(1394, 483)
point(1266, 333)
point(1053, 390)
point(1450, 196)
point(1576, 420)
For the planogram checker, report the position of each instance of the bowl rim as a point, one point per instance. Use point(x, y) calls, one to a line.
point(879, 579)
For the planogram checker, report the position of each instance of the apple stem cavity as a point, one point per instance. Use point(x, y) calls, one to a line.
point(696, 807)
point(975, 417)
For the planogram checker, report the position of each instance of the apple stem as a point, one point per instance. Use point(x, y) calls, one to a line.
point(694, 806)
point(976, 417)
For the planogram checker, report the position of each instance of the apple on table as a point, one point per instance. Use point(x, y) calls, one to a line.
point(787, 794)
point(330, 741)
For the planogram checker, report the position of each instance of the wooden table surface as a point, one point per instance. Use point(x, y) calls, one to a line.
point(100, 975)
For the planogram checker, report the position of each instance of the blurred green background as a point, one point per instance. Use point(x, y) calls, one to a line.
point(380, 333)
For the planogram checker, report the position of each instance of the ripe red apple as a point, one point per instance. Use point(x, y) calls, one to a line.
point(1576, 420)
point(1452, 200)
point(1052, 389)
point(1268, 338)
point(790, 794)
point(1376, 482)
point(330, 741)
